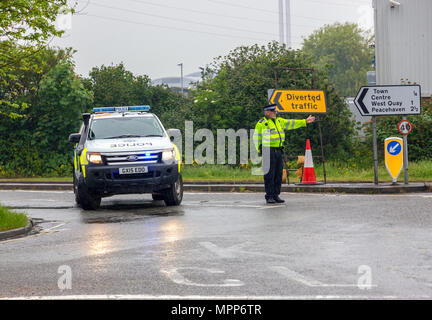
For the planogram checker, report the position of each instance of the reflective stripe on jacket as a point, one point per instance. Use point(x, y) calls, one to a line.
point(271, 133)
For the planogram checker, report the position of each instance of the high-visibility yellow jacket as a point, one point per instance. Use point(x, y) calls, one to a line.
point(271, 133)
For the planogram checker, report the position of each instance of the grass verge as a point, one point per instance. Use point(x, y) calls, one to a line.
point(335, 172)
point(11, 220)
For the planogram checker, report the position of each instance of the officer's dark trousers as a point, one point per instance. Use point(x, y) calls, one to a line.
point(273, 179)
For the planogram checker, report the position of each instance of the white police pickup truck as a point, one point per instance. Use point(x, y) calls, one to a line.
point(125, 150)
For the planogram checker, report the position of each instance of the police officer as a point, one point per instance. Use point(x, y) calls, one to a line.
point(270, 132)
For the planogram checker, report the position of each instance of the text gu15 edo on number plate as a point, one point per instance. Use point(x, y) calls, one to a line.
point(133, 170)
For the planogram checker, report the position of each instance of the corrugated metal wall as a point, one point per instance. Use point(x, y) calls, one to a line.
point(403, 43)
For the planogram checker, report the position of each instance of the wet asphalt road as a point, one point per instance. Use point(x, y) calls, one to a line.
point(218, 245)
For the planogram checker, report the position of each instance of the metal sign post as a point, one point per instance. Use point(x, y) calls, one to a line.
point(375, 149)
point(405, 127)
point(387, 101)
point(300, 101)
point(405, 156)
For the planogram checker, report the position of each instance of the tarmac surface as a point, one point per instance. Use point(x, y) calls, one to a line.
point(229, 186)
point(221, 245)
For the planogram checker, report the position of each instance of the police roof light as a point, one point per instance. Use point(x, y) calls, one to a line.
point(121, 109)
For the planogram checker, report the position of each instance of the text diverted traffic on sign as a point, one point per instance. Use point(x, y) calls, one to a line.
point(298, 101)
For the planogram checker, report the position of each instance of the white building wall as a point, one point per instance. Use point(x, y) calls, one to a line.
point(403, 43)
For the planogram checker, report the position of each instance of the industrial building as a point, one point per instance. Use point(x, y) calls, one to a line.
point(403, 43)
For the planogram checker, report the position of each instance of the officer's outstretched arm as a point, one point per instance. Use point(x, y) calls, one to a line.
point(257, 137)
point(292, 124)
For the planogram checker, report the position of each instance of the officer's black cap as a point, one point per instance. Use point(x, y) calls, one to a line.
point(270, 107)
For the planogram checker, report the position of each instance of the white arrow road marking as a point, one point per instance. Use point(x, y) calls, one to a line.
point(230, 252)
point(292, 275)
point(310, 282)
point(234, 251)
point(174, 275)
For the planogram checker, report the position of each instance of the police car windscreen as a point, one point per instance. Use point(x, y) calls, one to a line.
point(125, 127)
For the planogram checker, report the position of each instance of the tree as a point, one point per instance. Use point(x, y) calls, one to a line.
point(342, 49)
point(235, 95)
point(26, 26)
point(37, 143)
point(116, 86)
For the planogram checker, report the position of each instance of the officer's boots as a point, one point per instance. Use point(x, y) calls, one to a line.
point(278, 200)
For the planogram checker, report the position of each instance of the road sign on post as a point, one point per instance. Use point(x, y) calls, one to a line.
point(405, 127)
point(388, 100)
point(298, 101)
point(393, 150)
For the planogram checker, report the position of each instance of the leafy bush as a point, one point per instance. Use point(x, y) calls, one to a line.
point(419, 140)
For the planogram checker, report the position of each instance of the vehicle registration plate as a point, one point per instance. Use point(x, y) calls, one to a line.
point(132, 170)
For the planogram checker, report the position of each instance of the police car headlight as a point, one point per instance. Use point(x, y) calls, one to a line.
point(168, 155)
point(94, 158)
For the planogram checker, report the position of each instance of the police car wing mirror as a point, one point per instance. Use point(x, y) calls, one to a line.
point(75, 137)
point(174, 134)
point(86, 118)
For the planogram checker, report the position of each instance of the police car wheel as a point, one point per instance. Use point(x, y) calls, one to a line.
point(157, 196)
point(174, 195)
point(75, 188)
point(85, 199)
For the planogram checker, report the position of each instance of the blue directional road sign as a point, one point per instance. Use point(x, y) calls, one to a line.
point(394, 148)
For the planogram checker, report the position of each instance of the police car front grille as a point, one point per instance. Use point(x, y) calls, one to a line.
point(134, 158)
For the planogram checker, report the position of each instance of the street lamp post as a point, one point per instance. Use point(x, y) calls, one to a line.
point(181, 79)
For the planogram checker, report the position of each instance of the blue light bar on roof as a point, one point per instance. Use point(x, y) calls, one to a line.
point(103, 110)
point(139, 108)
point(121, 109)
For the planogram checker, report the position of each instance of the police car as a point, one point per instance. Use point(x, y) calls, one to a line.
point(125, 150)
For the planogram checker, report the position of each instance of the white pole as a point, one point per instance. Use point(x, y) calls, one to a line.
point(281, 22)
point(288, 22)
point(181, 79)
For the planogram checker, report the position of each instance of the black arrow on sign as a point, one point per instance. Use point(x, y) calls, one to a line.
point(276, 100)
point(360, 101)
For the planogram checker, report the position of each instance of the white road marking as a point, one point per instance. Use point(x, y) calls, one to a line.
point(295, 276)
point(175, 276)
point(38, 191)
point(224, 252)
point(292, 275)
point(198, 297)
point(231, 205)
point(273, 207)
point(42, 232)
point(228, 252)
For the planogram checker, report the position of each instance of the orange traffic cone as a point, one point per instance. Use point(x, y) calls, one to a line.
point(308, 169)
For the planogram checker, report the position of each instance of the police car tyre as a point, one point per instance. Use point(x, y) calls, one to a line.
point(86, 200)
point(75, 188)
point(157, 196)
point(174, 195)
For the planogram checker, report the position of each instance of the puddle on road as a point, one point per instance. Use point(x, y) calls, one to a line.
point(118, 211)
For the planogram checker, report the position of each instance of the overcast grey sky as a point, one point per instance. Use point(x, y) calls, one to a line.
point(152, 36)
